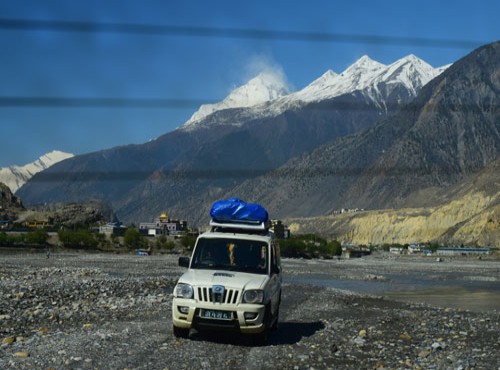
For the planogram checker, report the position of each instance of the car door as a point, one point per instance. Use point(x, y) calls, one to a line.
point(275, 281)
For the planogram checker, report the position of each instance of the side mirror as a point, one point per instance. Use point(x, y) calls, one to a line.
point(184, 261)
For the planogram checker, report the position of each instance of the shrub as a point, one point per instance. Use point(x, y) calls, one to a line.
point(80, 239)
point(309, 246)
point(133, 239)
point(38, 236)
point(188, 242)
point(293, 247)
point(163, 243)
point(334, 248)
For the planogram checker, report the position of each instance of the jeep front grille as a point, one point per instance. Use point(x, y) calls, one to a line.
point(205, 295)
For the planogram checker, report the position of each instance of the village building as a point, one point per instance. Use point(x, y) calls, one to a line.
point(40, 222)
point(112, 228)
point(163, 225)
point(462, 251)
point(396, 250)
point(415, 248)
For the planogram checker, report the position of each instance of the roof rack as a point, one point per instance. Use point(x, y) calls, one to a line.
point(247, 226)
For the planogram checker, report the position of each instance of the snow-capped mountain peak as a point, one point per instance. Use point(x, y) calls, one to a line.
point(368, 75)
point(267, 94)
point(15, 176)
point(412, 71)
point(356, 77)
point(266, 86)
point(325, 79)
point(363, 65)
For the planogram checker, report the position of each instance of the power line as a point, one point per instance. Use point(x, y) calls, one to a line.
point(246, 173)
point(99, 102)
point(193, 31)
point(165, 103)
point(241, 33)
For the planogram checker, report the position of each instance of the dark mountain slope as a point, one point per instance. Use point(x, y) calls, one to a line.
point(182, 169)
point(245, 153)
point(455, 133)
point(451, 130)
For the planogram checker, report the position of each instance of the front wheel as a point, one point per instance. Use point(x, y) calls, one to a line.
point(260, 339)
point(181, 332)
point(275, 324)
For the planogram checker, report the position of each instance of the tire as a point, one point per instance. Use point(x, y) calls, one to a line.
point(274, 327)
point(275, 324)
point(181, 332)
point(260, 339)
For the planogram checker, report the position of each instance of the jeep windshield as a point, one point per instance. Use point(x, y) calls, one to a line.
point(231, 254)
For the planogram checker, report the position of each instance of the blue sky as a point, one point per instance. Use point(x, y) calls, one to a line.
point(49, 63)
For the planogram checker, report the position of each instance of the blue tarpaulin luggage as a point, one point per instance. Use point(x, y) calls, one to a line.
point(235, 210)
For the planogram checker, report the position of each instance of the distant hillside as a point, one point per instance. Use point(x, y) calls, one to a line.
point(469, 213)
point(72, 214)
point(69, 215)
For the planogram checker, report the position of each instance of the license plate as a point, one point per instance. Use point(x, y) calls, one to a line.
point(216, 315)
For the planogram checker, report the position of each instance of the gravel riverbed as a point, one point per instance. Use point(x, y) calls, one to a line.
point(105, 311)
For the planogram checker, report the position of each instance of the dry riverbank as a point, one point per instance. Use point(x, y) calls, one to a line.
point(87, 311)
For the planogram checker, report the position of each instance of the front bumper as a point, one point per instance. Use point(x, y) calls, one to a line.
point(192, 319)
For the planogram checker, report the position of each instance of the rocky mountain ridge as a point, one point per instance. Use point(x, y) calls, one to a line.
point(468, 214)
point(87, 213)
point(451, 130)
point(10, 205)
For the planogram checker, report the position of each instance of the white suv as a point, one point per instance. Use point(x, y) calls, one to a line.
point(233, 282)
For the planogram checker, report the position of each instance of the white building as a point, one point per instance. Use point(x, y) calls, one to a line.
point(163, 225)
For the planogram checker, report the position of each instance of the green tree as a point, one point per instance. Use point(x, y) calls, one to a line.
point(313, 238)
point(77, 239)
point(114, 239)
point(334, 248)
point(161, 241)
point(309, 246)
point(433, 247)
point(39, 236)
point(294, 247)
point(65, 237)
point(188, 242)
point(169, 245)
point(133, 238)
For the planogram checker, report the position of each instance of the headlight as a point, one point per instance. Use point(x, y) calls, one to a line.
point(253, 296)
point(184, 291)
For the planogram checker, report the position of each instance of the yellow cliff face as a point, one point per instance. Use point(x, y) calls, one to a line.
point(471, 219)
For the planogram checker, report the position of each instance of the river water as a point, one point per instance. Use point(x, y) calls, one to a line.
point(453, 289)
